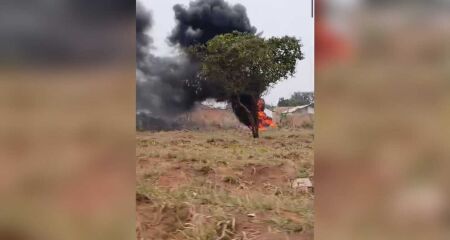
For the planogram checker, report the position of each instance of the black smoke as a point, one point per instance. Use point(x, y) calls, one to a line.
point(144, 22)
point(167, 86)
point(205, 19)
point(161, 81)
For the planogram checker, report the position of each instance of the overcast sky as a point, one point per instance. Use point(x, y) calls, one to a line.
point(273, 18)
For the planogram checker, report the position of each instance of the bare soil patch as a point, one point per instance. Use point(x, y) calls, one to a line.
point(223, 184)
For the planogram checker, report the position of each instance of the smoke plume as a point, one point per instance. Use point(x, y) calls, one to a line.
point(162, 82)
point(204, 19)
point(144, 22)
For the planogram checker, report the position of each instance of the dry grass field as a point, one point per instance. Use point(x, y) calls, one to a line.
point(224, 184)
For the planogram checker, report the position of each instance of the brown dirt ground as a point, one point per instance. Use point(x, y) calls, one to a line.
point(204, 184)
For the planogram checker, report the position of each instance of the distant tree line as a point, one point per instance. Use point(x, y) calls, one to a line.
point(297, 99)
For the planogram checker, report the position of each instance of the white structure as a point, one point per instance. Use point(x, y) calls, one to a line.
point(268, 112)
point(309, 108)
point(212, 103)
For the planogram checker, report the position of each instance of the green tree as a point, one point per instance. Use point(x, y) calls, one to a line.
point(243, 66)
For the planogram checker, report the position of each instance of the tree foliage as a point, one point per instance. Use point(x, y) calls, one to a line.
point(242, 63)
point(242, 66)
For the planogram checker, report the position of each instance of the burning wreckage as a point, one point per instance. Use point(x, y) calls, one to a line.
point(203, 115)
point(168, 86)
point(264, 121)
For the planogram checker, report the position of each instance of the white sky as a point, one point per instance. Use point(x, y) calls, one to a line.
point(273, 18)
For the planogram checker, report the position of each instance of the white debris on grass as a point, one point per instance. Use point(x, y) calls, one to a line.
point(302, 184)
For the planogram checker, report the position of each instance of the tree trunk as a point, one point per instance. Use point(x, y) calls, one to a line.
point(255, 132)
point(252, 117)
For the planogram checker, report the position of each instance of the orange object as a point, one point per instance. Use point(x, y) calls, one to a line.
point(264, 121)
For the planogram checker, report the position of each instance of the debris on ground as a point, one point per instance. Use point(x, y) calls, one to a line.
point(302, 184)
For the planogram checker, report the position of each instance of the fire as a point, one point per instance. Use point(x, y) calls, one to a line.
point(264, 121)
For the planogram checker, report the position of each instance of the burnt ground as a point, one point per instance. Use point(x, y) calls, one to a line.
point(223, 184)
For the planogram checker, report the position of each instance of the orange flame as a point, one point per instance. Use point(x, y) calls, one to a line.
point(264, 121)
